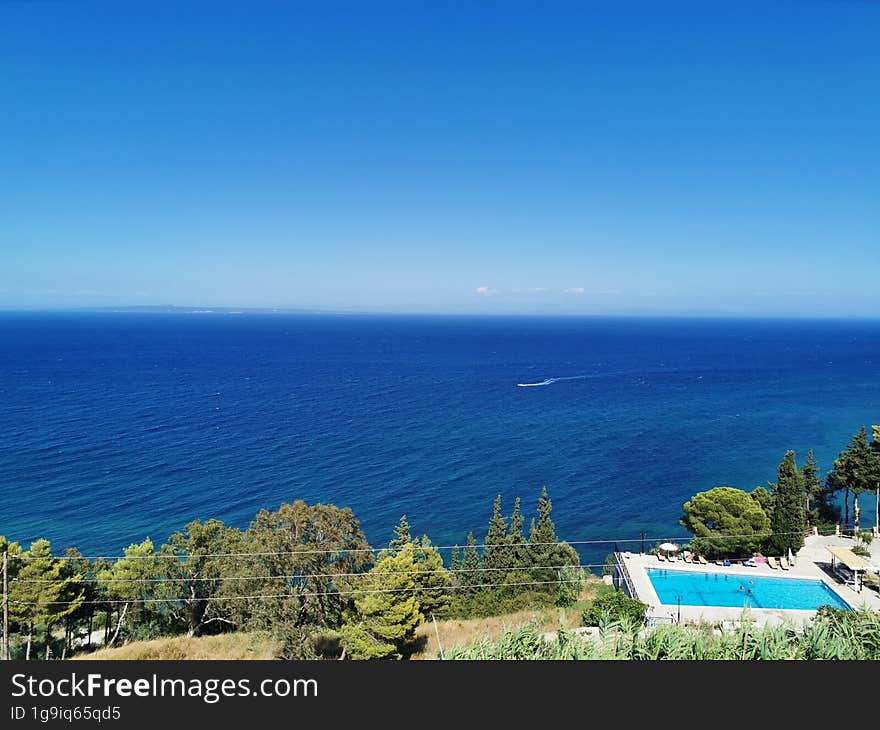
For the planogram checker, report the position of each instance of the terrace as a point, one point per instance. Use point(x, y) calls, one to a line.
point(815, 561)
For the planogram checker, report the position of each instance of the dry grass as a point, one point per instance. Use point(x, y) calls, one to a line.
point(462, 632)
point(223, 646)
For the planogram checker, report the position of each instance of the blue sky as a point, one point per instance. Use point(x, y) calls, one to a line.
point(610, 158)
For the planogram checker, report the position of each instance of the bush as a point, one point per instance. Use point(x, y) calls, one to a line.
point(614, 606)
point(571, 583)
point(496, 602)
point(861, 550)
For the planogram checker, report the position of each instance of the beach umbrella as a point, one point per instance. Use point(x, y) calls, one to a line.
point(790, 556)
point(668, 547)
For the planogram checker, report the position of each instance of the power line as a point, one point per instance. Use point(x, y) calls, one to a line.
point(329, 551)
point(304, 594)
point(303, 576)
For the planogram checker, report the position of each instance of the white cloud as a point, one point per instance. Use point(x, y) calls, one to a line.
point(485, 291)
point(578, 290)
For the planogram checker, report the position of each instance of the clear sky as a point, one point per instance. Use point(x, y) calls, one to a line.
point(584, 157)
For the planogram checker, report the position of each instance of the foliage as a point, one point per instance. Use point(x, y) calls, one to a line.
point(402, 537)
point(128, 584)
point(471, 566)
point(766, 498)
point(497, 602)
point(496, 553)
point(812, 488)
point(196, 573)
point(307, 555)
point(787, 522)
point(832, 634)
point(610, 566)
point(613, 605)
point(41, 594)
point(854, 469)
point(725, 522)
point(571, 583)
point(386, 613)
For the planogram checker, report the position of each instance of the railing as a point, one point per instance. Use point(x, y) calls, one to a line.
point(621, 567)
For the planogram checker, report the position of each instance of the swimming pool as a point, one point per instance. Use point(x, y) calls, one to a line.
point(737, 591)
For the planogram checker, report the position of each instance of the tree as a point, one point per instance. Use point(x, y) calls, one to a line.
point(827, 507)
point(40, 595)
point(787, 522)
point(471, 567)
point(131, 583)
point(402, 537)
point(725, 521)
point(812, 486)
point(874, 473)
point(311, 556)
point(432, 580)
point(571, 583)
point(496, 553)
point(387, 611)
point(518, 555)
point(852, 469)
point(547, 553)
point(766, 498)
point(455, 560)
point(195, 568)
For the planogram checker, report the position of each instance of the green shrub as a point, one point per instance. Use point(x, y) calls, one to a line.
point(614, 606)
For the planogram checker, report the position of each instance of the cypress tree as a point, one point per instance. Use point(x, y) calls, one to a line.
point(403, 537)
point(787, 522)
point(518, 555)
point(471, 569)
point(495, 557)
point(542, 540)
point(812, 485)
point(455, 560)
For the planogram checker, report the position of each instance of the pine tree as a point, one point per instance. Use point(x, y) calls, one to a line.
point(432, 580)
point(787, 523)
point(471, 568)
point(403, 537)
point(495, 553)
point(387, 613)
point(852, 469)
point(41, 595)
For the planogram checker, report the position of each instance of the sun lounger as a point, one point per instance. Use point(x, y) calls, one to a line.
point(701, 560)
point(771, 561)
point(661, 557)
point(688, 559)
point(783, 563)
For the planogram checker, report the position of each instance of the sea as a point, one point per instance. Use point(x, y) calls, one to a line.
point(117, 426)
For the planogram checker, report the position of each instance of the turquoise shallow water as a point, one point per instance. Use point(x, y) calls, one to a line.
point(120, 426)
point(738, 591)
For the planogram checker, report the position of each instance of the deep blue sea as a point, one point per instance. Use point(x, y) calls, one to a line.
point(119, 426)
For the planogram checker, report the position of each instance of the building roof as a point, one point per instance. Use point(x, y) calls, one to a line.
point(849, 558)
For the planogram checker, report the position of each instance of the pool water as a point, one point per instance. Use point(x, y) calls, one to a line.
point(737, 591)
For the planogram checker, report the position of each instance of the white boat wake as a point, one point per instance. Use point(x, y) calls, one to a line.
point(550, 381)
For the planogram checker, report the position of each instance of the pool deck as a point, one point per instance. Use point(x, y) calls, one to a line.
point(812, 561)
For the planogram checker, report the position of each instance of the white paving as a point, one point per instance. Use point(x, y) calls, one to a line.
point(812, 561)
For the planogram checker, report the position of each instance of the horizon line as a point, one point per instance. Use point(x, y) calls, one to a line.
point(326, 311)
